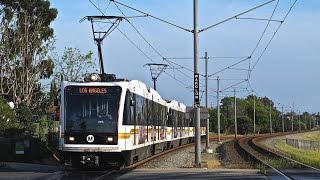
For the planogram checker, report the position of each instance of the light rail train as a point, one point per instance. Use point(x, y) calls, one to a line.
point(118, 122)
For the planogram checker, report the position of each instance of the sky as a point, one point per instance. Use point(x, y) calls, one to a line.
point(287, 72)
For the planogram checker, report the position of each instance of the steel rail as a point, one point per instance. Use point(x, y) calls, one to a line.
point(244, 145)
point(254, 148)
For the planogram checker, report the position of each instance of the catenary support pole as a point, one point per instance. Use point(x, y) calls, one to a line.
point(310, 119)
point(292, 117)
point(254, 115)
point(282, 118)
point(218, 108)
point(299, 123)
point(196, 85)
point(207, 129)
point(270, 121)
point(235, 115)
point(305, 120)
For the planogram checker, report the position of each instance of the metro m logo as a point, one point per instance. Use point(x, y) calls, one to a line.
point(90, 138)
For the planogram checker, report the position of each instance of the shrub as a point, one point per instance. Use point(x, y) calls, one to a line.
point(7, 117)
point(24, 116)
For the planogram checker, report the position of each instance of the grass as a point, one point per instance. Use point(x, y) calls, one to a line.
point(311, 136)
point(311, 158)
point(215, 135)
point(213, 164)
point(262, 169)
point(281, 163)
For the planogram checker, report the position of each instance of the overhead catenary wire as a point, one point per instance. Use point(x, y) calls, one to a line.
point(125, 35)
point(259, 58)
point(265, 29)
point(210, 57)
point(260, 19)
point(273, 35)
point(233, 17)
point(205, 28)
point(263, 33)
point(230, 67)
point(138, 31)
point(152, 47)
point(225, 79)
point(162, 20)
point(143, 53)
point(234, 85)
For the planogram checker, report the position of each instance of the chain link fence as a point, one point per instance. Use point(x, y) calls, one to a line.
point(304, 144)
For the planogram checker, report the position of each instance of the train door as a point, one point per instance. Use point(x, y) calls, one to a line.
point(154, 121)
point(133, 117)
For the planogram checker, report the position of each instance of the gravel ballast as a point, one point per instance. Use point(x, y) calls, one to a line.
point(224, 156)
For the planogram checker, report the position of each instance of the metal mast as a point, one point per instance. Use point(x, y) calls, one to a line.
point(235, 115)
point(99, 33)
point(207, 129)
point(156, 70)
point(196, 85)
point(254, 115)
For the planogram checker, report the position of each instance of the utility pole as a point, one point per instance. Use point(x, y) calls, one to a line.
point(310, 123)
point(282, 119)
point(218, 108)
point(299, 121)
point(292, 115)
point(305, 121)
point(235, 115)
point(254, 115)
point(270, 119)
point(196, 85)
point(207, 130)
point(318, 120)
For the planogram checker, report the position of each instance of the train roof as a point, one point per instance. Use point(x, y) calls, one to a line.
point(173, 104)
point(132, 84)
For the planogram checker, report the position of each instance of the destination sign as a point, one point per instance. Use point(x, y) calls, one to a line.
point(92, 90)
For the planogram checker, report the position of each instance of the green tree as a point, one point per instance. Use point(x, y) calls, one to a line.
point(45, 126)
point(227, 114)
point(24, 117)
point(72, 66)
point(213, 125)
point(25, 40)
point(40, 100)
point(7, 117)
point(52, 92)
point(245, 125)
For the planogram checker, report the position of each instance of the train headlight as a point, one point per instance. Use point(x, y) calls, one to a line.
point(109, 139)
point(71, 138)
point(93, 77)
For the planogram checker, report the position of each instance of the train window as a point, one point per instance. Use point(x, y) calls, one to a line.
point(169, 118)
point(144, 111)
point(139, 112)
point(154, 116)
point(158, 115)
point(93, 109)
point(150, 113)
point(127, 115)
point(164, 116)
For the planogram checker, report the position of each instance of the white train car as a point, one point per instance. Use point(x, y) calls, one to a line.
point(117, 123)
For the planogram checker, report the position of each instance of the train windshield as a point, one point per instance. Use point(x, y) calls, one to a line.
point(92, 109)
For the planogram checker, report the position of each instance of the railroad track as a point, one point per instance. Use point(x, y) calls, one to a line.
point(273, 164)
point(71, 173)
